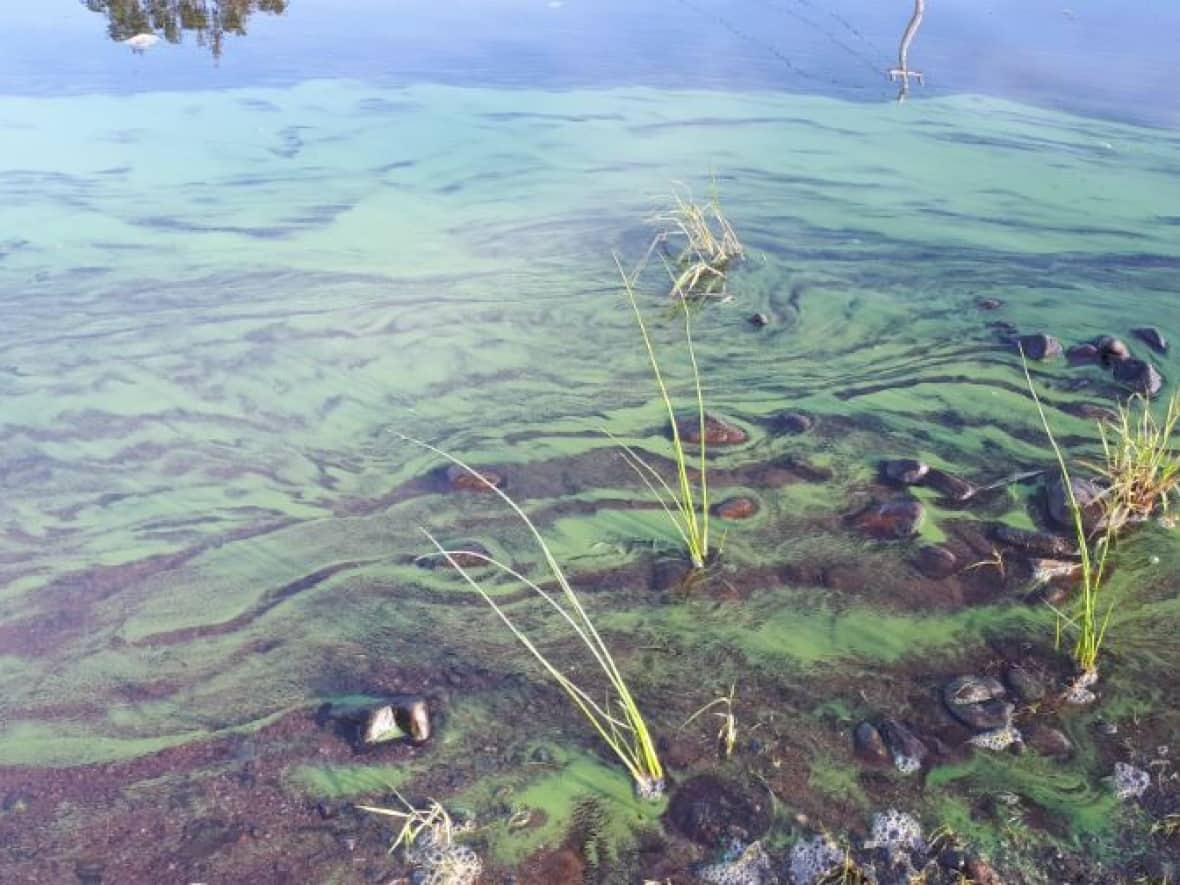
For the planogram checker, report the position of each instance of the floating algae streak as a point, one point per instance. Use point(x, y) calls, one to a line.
point(217, 315)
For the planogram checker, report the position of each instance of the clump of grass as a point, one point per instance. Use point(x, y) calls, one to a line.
point(1091, 629)
point(1140, 468)
point(727, 734)
point(427, 838)
point(687, 507)
point(617, 720)
point(433, 819)
point(704, 246)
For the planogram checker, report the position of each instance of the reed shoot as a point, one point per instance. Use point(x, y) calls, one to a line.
point(433, 820)
point(1140, 467)
point(687, 507)
point(617, 719)
point(1091, 630)
point(727, 734)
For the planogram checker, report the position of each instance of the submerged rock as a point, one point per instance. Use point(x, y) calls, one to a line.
point(896, 832)
point(1039, 346)
point(461, 480)
point(1129, 782)
point(717, 431)
point(1080, 354)
point(1091, 410)
point(740, 507)
point(984, 716)
point(907, 750)
point(792, 422)
point(1049, 741)
point(1024, 684)
point(708, 809)
point(949, 485)
point(972, 690)
point(936, 562)
point(758, 320)
point(1039, 544)
point(890, 520)
point(812, 859)
point(1111, 349)
point(869, 745)
point(1089, 497)
point(1140, 376)
point(1153, 337)
point(989, 303)
point(904, 471)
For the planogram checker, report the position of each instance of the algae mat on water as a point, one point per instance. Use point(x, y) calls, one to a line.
point(219, 306)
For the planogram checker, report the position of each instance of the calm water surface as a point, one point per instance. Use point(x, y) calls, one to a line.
point(237, 264)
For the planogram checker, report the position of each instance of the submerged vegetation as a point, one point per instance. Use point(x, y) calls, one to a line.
point(617, 719)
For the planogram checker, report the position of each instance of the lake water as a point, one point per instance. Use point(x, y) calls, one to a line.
point(237, 268)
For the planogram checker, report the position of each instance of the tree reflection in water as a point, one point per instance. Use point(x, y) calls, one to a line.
point(209, 20)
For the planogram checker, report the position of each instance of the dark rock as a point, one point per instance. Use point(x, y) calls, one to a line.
point(936, 562)
point(1111, 349)
point(1153, 337)
point(950, 486)
point(792, 422)
point(869, 745)
point(989, 303)
point(740, 507)
point(890, 520)
point(1041, 544)
point(709, 810)
point(907, 750)
point(972, 690)
point(984, 716)
point(1140, 376)
point(1089, 497)
point(1039, 346)
point(1080, 354)
point(1024, 684)
point(461, 480)
point(904, 471)
point(717, 431)
point(1091, 410)
point(758, 320)
point(1048, 741)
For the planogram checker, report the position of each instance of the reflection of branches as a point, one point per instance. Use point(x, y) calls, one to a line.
point(210, 20)
point(902, 72)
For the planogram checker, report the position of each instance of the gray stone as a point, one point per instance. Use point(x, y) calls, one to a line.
point(1024, 684)
point(1142, 377)
point(1153, 337)
point(869, 745)
point(904, 471)
point(1089, 497)
point(908, 752)
point(972, 690)
point(1039, 346)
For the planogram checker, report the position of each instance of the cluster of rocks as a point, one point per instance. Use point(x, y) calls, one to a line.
point(985, 706)
point(901, 517)
point(402, 718)
point(1108, 351)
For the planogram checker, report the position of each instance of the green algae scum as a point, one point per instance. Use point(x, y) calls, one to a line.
point(227, 305)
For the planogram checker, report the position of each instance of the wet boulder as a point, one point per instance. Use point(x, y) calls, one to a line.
point(936, 562)
point(950, 486)
point(1142, 377)
point(758, 320)
point(972, 690)
point(1024, 684)
point(404, 717)
point(907, 750)
point(1081, 354)
point(889, 520)
point(869, 745)
point(1048, 741)
point(1059, 507)
point(978, 702)
point(1152, 337)
point(1036, 544)
point(1039, 346)
point(792, 422)
point(904, 471)
point(740, 507)
point(709, 810)
point(1111, 349)
point(717, 431)
point(461, 480)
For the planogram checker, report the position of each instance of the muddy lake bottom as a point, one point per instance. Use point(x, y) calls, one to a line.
point(211, 557)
